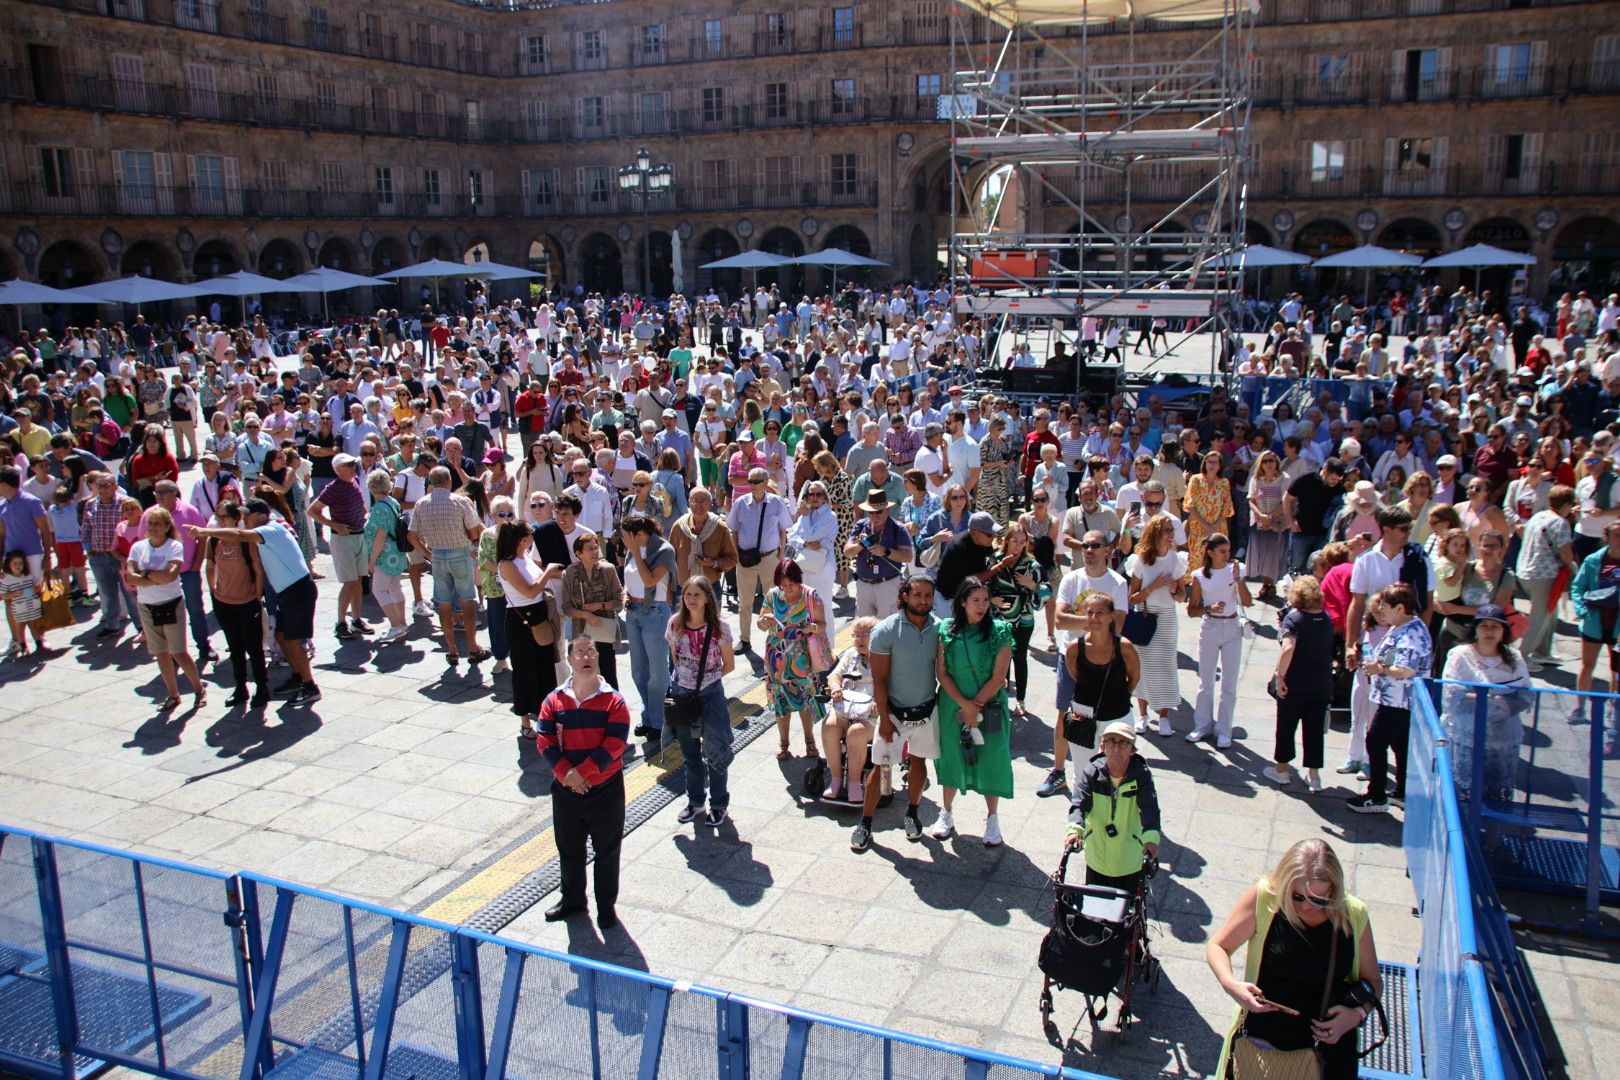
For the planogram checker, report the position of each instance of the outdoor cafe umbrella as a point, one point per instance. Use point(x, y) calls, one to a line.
point(1480, 256)
point(752, 261)
point(135, 290)
point(242, 285)
point(439, 269)
point(1369, 257)
point(17, 293)
point(835, 258)
point(1257, 257)
point(324, 279)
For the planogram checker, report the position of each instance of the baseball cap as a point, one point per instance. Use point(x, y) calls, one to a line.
point(981, 522)
point(1121, 728)
point(1526, 400)
point(1444, 460)
point(345, 459)
point(669, 414)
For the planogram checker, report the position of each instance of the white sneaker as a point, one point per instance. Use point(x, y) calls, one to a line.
point(395, 634)
point(1223, 742)
point(423, 610)
point(1141, 725)
point(992, 831)
point(1166, 729)
point(1278, 776)
point(944, 827)
point(1313, 780)
point(1197, 735)
point(501, 666)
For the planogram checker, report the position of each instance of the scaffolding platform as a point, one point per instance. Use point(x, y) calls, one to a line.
point(1168, 304)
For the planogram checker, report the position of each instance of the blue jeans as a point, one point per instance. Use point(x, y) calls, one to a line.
point(109, 587)
point(497, 626)
point(191, 588)
point(701, 778)
point(649, 658)
point(1300, 547)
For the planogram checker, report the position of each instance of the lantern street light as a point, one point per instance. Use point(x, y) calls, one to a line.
point(643, 180)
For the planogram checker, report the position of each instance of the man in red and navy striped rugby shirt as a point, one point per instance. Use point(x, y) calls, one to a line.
point(583, 725)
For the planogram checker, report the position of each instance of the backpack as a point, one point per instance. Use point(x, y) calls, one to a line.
point(1415, 572)
point(402, 528)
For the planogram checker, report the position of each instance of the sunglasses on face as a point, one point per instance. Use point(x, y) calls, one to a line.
point(1314, 901)
point(1152, 505)
point(1040, 500)
point(503, 513)
point(1091, 545)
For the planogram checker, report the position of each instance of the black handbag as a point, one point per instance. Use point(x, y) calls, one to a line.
point(1140, 626)
point(685, 707)
point(914, 714)
point(750, 556)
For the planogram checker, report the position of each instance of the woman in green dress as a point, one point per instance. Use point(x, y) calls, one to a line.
point(975, 650)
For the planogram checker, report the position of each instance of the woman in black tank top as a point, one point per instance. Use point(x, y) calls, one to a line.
point(1105, 666)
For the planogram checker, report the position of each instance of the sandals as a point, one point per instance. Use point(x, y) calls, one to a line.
point(201, 699)
point(783, 753)
point(170, 702)
point(526, 729)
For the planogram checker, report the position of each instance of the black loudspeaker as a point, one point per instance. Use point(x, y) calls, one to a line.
point(1040, 381)
point(1103, 380)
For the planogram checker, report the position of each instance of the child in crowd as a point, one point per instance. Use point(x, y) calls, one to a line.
point(24, 609)
point(70, 560)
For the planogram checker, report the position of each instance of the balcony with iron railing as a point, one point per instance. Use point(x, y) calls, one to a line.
point(1358, 88)
point(34, 199)
point(378, 45)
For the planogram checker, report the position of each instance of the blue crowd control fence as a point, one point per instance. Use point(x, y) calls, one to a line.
point(108, 957)
point(1476, 1014)
point(1542, 815)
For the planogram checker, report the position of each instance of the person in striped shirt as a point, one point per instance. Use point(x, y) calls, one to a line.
point(582, 729)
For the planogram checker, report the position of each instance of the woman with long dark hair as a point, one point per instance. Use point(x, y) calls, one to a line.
point(523, 580)
point(1017, 590)
point(1219, 595)
point(975, 732)
point(1155, 572)
point(697, 636)
point(236, 579)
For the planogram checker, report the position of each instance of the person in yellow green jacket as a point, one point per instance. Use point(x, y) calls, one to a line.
point(1114, 814)
point(1321, 950)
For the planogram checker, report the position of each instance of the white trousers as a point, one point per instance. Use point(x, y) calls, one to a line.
point(1361, 710)
point(878, 599)
point(1220, 642)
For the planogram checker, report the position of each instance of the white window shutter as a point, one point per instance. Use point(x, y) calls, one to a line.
point(1530, 164)
point(1437, 164)
point(1538, 65)
point(118, 174)
point(1495, 156)
point(797, 164)
point(163, 172)
point(1352, 157)
point(191, 173)
point(1391, 161)
point(825, 168)
point(233, 186)
point(84, 167)
point(1397, 75)
point(1442, 73)
point(528, 185)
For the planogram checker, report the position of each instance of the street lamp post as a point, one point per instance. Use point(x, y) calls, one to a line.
point(644, 180)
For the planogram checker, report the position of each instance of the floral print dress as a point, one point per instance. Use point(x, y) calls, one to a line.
point(789, 678)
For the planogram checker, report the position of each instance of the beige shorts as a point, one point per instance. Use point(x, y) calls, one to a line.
point(164, 639)
point(920, 740)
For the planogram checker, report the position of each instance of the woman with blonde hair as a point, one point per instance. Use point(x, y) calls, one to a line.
point(1320, 950)
point(1156, 572)
point(154, 565)
point(1268, 523)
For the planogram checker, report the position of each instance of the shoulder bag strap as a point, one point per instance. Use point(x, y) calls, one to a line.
point(759, 533)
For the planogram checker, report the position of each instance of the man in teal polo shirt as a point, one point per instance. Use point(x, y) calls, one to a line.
point(904, 651)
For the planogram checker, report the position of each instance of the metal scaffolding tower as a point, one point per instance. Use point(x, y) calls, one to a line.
point(1099, 167)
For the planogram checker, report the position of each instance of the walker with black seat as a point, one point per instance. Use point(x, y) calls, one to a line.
point(1097, 946)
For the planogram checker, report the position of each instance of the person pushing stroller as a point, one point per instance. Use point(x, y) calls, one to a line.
point(1114, 814)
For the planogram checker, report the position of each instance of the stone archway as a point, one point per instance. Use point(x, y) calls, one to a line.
point(67, 264)
point(1413, 236)
point(1509, 235)
point(714, 245)
point(546, 258)
point(661, 280)
point(337, 254)
point(1586, 255)
point(149, 258)
point(601, 267)
point(280, 259)
point(213, 259)
point(785, 242)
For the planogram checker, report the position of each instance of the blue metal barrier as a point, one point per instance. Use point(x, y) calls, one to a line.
point(1356, 394)
point(1531, 783)
point(1475, 1002)
point(108, 957)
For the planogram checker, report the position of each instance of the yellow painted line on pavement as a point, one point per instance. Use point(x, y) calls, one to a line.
point(492, 882)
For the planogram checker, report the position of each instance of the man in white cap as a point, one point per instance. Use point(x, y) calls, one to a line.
point(341, 507)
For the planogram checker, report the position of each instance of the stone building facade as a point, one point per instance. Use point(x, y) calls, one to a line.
point(185, 138)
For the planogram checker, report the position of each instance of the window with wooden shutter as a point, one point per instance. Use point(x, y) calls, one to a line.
point(202, 92)
point(1606, 62)
point(534, 119)
point(129, 82)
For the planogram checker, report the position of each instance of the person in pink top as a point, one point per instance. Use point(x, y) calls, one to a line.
point(745, 460)
point(183, 515)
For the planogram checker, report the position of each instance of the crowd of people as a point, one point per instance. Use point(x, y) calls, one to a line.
point(700, 481)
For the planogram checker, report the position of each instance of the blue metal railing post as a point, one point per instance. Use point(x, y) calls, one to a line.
point(247, 947)
point(151, 971)
point(256, 1055)
point(1594, 818)
point(500, 1042)
point(53, 924)
point(1476, 764)
point(468, 991)
point(731, 1024)
point(798, 1045)
point(652, 1040)
point(388, 1000)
